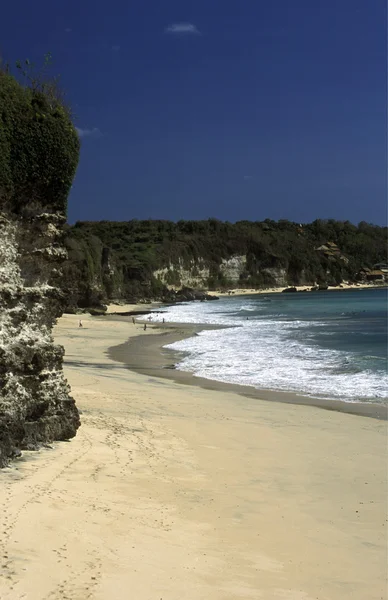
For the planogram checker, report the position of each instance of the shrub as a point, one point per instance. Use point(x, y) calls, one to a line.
point(39, 147)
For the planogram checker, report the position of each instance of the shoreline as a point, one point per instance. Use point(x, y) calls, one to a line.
point(299, 288)
point(141, 308)
point(172, 491)
point(142, 350)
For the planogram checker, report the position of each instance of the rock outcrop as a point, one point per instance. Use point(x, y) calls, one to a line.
point(195, 274)
point(38, 157)
point(35, 405)
point(233, 267)
point(187, 294)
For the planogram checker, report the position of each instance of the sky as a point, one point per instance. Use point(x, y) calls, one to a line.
point(248, 109)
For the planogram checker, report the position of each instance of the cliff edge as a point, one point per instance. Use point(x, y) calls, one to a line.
point(39, 151)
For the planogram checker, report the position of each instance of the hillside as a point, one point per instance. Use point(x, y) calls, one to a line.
point(137, 260)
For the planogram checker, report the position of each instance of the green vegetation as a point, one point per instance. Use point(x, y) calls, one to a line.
point(39, 146)
point(39, 152)
point(110, 260)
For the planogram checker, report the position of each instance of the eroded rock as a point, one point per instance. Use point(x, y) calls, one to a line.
point(39, 153)
point(35, 403)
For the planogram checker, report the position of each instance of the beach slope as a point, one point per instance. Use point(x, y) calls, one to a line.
point(176, 492)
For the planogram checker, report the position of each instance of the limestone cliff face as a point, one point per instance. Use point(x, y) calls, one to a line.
point(39, 151)
point(278, 276)
point(232, 268)
point(35, 405)
point(196, 274)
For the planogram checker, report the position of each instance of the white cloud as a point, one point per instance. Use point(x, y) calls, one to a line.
point(94, 133)
point(182, 29)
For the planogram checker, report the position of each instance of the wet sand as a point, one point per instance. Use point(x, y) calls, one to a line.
point(177, 492)
point(147, 355)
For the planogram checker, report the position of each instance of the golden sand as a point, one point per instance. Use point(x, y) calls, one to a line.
point(175, 492)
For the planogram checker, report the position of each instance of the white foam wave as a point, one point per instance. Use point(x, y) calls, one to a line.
point(272, 362)
point(269, 353)
point(195, 312)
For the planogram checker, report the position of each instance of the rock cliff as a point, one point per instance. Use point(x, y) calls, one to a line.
point(35, 405)
point(231, 271)
point(145, 260)
point(194, 274)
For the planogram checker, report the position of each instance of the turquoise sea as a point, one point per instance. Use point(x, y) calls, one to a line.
point(322, 344)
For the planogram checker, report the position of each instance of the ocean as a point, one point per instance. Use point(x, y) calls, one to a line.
point(320, 344)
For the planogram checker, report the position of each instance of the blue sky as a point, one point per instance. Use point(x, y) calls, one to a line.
point(217, 108)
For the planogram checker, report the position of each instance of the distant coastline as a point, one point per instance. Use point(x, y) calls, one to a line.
point(122, 307)
point(299, 288)
point(144, 261)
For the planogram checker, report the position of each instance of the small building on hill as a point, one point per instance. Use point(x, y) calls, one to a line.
point(381, 267)
point(332, 252)
point(375, 275)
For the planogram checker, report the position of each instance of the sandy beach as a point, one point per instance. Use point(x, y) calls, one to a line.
point(299, 288)
point(173, 492)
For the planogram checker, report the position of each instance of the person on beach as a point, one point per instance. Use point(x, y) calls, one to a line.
point(133, 320)
point(80, 323)
point(164, 320)
point(145, 327)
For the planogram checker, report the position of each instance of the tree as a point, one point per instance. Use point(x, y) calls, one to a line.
point(39, 146)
